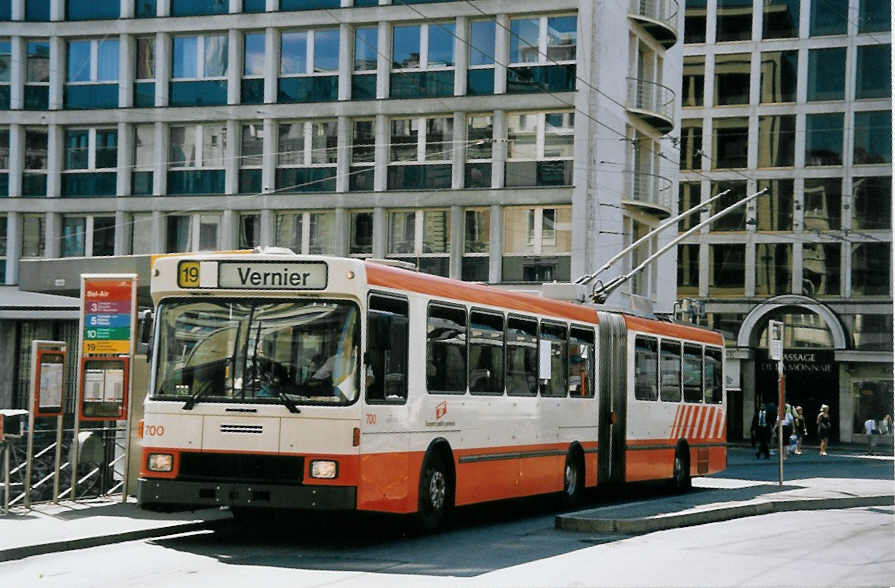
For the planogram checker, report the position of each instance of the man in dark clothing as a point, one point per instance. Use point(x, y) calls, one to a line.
point(763, 427)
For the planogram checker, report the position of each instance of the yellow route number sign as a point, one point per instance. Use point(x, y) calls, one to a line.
point(188, 274)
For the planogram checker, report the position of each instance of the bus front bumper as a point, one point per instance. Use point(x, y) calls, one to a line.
point(198, 494)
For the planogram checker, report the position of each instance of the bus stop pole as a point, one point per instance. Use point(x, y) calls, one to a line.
point(781, 398)
point(5, 474)
point(58, 458)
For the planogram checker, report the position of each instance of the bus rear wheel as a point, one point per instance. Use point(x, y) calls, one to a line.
point(680, 480)
point(436, 495)
point(573, 481)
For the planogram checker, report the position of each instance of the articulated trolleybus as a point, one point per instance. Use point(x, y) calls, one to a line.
point(309, 382)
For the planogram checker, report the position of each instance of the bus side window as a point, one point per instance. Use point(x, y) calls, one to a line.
point(670, 371)
point(387, 344)
point(693, 374)
point(646, 368)
point(486, 365)
point(556, 384)
point(522, 356)
point(446, 349)
point(581, 363)
point(714, 388)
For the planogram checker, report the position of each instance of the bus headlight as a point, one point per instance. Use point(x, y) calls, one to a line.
point(160, 462)
point(326, 469)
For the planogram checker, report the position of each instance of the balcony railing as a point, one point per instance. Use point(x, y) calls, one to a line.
point(652, 102)
point(659, 17)
point(651, 192)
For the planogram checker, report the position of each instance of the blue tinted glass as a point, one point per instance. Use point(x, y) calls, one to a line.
point(254, 5)
point(89, 184)
point(873, 137)
point(198, 7)
point(145, 8)
point(91, 96)
point(826, 74)
point(5, 57)
point(37, 10)
point(253, 64)
point(417, 177)
point(310, 89)
point(73, 236)
point(76, 149)
point(326, 50)
point(829, 17)
point(311, 179)
point(481, 42)
point(4, 191)
point(196, 182)
point(209, 93)
point(34, 184)
point(480, 82)
point(91, 9)
point(366, 41)
point(874, 72)
point(422, 84)
point(4, 97)
point(250, 181)
point(308, 4)
point(184, 61)
point(441, 45)
point(78, 61)
point(37, 97)
point(524, 40)
point(107, 64)
point(252, 91)
point(294, 52)
point(144, 94)
point(366, 2)
point(875, 16)
point(823, 139)
point(215, 56)
point(141, 183)
point(546, 78)
point(406, 46)
point(5, 14)
point(363, 87)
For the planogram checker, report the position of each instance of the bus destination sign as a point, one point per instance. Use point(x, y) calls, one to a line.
point(272, 275)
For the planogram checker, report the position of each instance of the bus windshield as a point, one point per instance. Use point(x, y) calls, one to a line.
point(260, 351)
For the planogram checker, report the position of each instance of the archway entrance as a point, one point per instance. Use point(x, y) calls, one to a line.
point(812, 375)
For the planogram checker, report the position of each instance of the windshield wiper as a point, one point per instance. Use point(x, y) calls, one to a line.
point(290, 404)
point(192, 400)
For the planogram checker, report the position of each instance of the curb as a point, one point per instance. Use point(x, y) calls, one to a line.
point(15, 553)
point(649, 524)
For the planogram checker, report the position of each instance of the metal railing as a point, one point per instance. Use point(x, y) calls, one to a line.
point(651, 97)
point(661, 11)
point(648, 189)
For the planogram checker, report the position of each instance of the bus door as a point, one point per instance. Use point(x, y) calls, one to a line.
point(613, 396)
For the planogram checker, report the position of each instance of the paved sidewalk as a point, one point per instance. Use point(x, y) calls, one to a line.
point(48, 528)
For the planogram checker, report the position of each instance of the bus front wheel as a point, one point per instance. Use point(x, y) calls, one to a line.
point(436, 494)
point(573, 480)
point(680, 480)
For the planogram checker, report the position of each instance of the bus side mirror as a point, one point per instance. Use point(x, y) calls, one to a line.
point(146, 324)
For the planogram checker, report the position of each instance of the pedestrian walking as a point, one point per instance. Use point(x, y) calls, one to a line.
point(885, 425)
point(824, 427)
point(785, 431)
point(763, 427)
point(872, 434)
point(801, 429)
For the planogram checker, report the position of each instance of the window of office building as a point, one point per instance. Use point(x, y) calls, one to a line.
point(5, 70)
point(366, 57)
point(871, 269)
point(253, 62)
point(37, 74)
point(778, 76)
point(192, 232)
point(307, 152)
point(873, 137)
point(33, 236)
point(480, 74)
point(141, 227)
point(727, 270)
point(694, 80)
point(363, 155)
point(735, 220)
point(694, 21)
point(776, 140)
point(874, 16)
point(4, 164)
point(732, 79)
point(476, 244)
point(781, 19)
point(420, 153)
point(87, 236)
point(249, 227)
point(774, 209)
point(199, 70)
point(196, 158)
point(144, 72)
point(826, 74)
point(691, 144)
point(360, 232)
point(872, 203)
point(540, 148)
point(542, 54)
point(537, 243)
point(251, 155)
point(821, 269)
point(730, 141)
point(309, 65)
point(306, 232)
point(823, 139)
point(422, 237)
point(829, 17)
point(822, 204)
point(773, 268)
point(688, 197)
point(728, 323)
point(734, 20)
point(3, 239)
point(91, 66)
point(688, 269)
point(144, 159)
point(89, 151)
point(873, 75)
point(199, 7)
point(145, 8)
point(34, 180)
point(479, 144)
point(422, 60)
point(870, 332)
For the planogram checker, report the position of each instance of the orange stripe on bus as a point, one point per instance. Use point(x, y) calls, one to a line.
point(645, 325)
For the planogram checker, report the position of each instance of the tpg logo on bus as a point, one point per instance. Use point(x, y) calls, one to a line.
point(272, 275)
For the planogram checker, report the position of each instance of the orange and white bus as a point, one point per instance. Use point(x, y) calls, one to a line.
point(312, 382)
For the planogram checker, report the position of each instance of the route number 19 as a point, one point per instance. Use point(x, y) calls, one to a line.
point(188, 274)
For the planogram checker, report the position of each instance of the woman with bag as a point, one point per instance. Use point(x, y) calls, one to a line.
point(800, 429)
point(824, 426)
